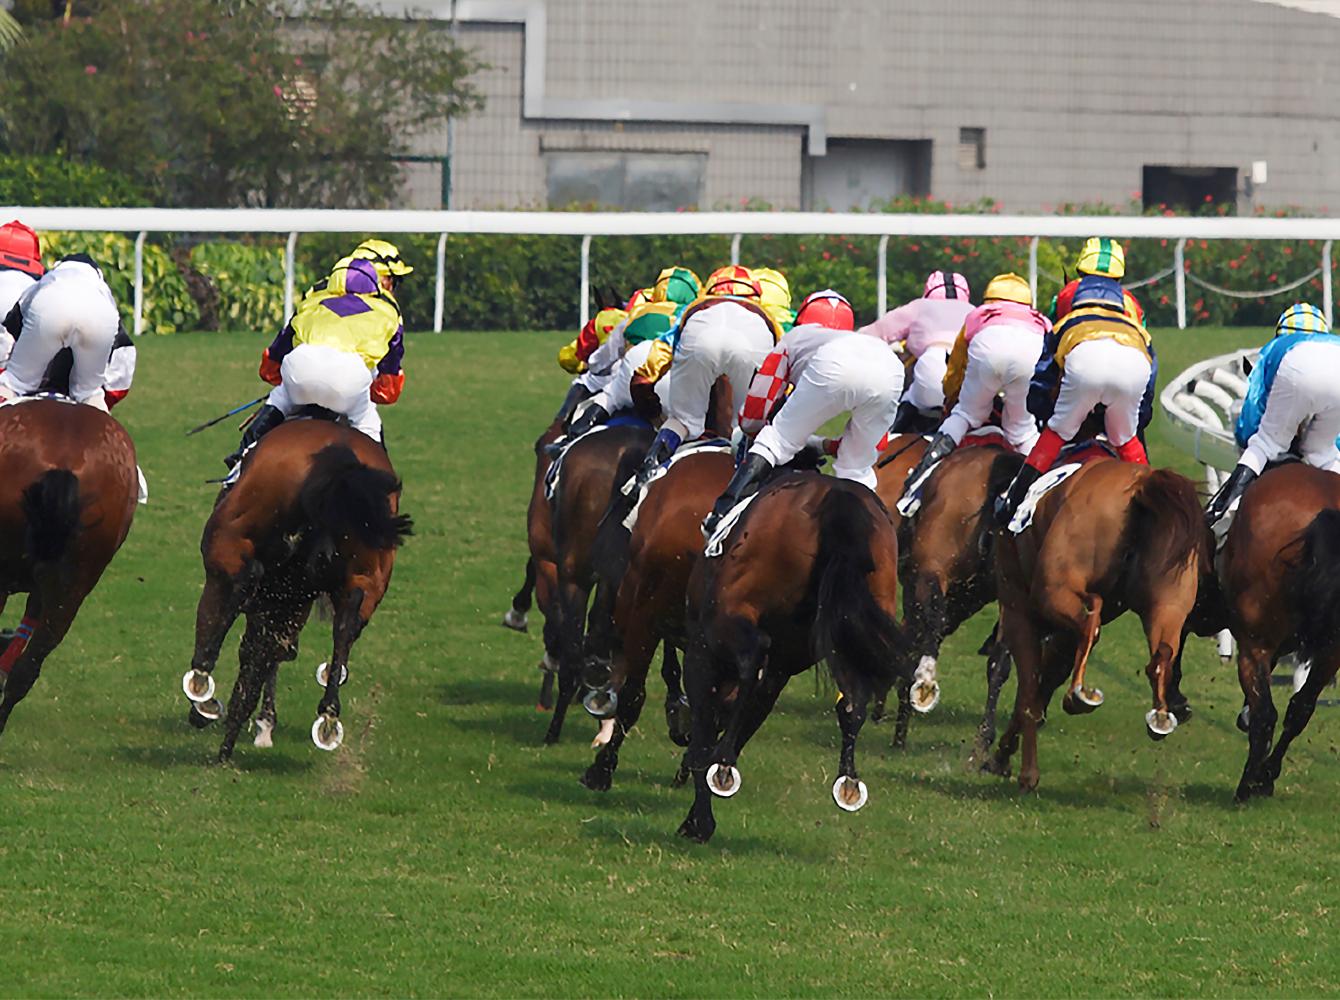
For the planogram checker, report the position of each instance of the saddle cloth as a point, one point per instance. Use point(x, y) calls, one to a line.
point(717, 543)
point(555, 469)
point(910, 502)
point(682, 452)
point(1023, 517)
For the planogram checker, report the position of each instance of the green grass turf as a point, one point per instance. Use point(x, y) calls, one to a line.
point(443, 850)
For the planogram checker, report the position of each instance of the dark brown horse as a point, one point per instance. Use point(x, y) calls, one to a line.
point(1113, 537)
point(809, 572)
point(67, 496)
point(664, 547)
point(1280, 570)
point(314, 514)
point(947, 570)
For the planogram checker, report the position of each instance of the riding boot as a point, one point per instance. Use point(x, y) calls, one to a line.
point(940, 447)
point(267, 418)
point(905, 420)
point(1234, 486)
point(1005, 508)
point(590, 417)
point(666, 444)
point(576, 393)
point(747, 479)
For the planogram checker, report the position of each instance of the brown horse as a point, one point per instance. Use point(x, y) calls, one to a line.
point(809, 572)
point(315, 513)
point(1280, 570)
point(67, 496)
point(947, 570)
point(665, 545)
point(1114, 536)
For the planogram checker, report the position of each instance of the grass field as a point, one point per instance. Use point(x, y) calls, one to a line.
point(443, 850)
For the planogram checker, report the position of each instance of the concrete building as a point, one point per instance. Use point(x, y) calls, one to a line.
point(834, 103)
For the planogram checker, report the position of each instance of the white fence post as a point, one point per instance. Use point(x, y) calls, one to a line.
point(139, 284)
point(1179, 276)
point(290, 255)
point(735, 248)
point(586, 280)
point(1033, 269)
point(882, 277)
point(1326, 279)
point(440, 289)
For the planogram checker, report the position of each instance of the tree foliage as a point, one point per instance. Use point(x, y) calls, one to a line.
point(268, 103)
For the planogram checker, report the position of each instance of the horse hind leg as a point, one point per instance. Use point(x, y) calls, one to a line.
point(219, 605)
point(1301, 706)
point(997, 673)
point(268, 716)
point(1081, 699)
point(677, 715)
point(930, 628)
point(517, 617)
point(849, 791)
point(350, 620)
point(18, 677)
point(1254, 666)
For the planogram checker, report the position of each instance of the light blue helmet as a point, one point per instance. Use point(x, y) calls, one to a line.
point(1301, 317)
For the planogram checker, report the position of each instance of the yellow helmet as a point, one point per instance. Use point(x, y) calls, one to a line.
point(733, 280)
point(385, 257)
point(1008, 287)
point(1103, 256)
point(776, 289)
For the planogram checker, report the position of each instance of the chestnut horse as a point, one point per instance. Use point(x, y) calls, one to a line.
point(67, 496)
point(1280, 570)
point(315, 513)
point(1114, 536)
point(809, 572)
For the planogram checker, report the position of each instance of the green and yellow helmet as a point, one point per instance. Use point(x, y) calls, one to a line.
point(1103, 256)
point(385, 258)
point(676, 284)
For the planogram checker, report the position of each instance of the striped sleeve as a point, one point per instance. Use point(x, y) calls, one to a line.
point(764, 391)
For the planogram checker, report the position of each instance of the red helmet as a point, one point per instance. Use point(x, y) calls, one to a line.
point(827, 308)
point(20, 249)
point(732, 280)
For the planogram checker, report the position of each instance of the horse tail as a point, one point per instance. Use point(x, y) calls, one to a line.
point(343, 498)
point(1167, 526)
point(848, 619)
point(1316, 586)
point(51, 507)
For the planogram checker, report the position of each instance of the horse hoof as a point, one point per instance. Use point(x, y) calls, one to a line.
point(601, 703)
point(604, 734)
point(1245, 720)
point(1160, 724)
point(205, 713)
point(264, 734)
point(678, 720)
point(690, 830)
point(994, 765)
point(515, 620)
point(597, 778)
point(323, 674)
point(198, 685)
point(925, 696)
point(723, 782)
point(327, 732)
point(850, 794)
point(1081, 700)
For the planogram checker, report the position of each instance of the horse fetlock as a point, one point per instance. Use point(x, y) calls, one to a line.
point(327, 731)
point(516, 620)
point(265, 733)
point(723, 780)
point(198, 685)
point(850, 793)
point(604, 734)
point(323, 674)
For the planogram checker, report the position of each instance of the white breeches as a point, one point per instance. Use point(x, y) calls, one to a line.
point(67, 315)
point(723, 339)
point(856, 374)
point(323, 376)
point(1001, 359)
point(1106, 372)
point(1304, 402)
point(927, 391)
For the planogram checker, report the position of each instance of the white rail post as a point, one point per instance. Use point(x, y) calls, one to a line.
point(882, 277)
point(586, 280)
point(1326, 279)
point(735, 248)
point(440, 289)
point(1033, 269)
point(1179, 277)
point(139, 284)
point(290, 254)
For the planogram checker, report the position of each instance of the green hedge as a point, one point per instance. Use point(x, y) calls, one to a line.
point(168, 304)
point(56, 180)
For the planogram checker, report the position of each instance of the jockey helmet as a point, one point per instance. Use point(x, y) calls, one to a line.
point(353, 276)
point(20, 249)
point(651, 322)
point(1095, 289)
point(1008, 287)
point(676, 284)
point(1103, 256)
point(1301, 317)
point(385, 258)
point(826, 308)
point(733, 280)
point(946, 285)
point(776, 289)
point(640, 297)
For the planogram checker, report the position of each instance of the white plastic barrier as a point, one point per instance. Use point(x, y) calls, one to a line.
point(734, 224)
point(1201, 405)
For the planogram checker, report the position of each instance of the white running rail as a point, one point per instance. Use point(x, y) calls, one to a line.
point(1201, 405)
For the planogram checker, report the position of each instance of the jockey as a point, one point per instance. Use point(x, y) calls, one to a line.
point(725, 332)
point(996, 352)
point(1106, 258)
point(1100, 355)
point(72, 308)
point(928, 326)
point(1292, 393)
point(833, 370)
point(345, 330)
point(572, 356)
point(20, 266)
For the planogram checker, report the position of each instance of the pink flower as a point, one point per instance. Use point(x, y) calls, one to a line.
point(827, 255)
point(278, 91)
point(90, 70)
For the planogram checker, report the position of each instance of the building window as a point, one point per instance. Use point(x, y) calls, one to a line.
point(972, 149)
point(644, 182)
point(858, 173)
point(1189, 187)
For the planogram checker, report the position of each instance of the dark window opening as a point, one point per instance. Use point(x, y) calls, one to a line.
point(856, 173)
point(646, 182)
point(972, 149)
point(1189, 187)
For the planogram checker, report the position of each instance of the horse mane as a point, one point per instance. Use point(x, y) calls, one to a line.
point(1167, 524)
point(343, 498)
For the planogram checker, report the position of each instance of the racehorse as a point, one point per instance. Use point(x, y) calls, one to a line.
point(1112, 537)
point(946, 569)
point(664, 547)
point(1280, 569)
point(67, 497)
point(810, 571)
point(314, 513)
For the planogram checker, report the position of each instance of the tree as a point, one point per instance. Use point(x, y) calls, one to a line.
point(265, 103)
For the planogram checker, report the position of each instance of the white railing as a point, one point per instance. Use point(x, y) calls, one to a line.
point(588, 225)
point(1202, 405)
